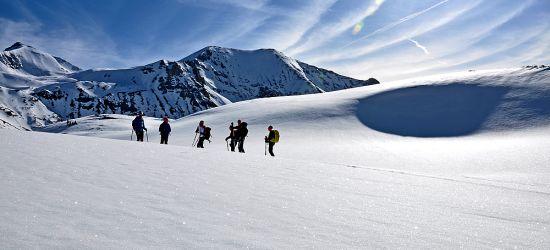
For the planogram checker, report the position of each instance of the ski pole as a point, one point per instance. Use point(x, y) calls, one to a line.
point(194, 139)
point(265, 149)
point(132, 135)
point(227, 144)
point(146, 134)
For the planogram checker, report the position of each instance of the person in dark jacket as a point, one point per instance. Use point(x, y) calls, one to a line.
point(242, 132)
point(164, 130)
point(138, 124)
point(237, 132)
point(269, 139)
point(200, 130)
point(231, 136)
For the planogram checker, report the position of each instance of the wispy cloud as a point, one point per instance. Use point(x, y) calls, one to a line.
point(246, 4)
point(400, 21)
point(503, 47)
point(327, 31)
point(289, 25)
point(386, 39)
point(507, 48)
point(477, 41)
point(417, 44)
point(392, 39)
point(66, 43)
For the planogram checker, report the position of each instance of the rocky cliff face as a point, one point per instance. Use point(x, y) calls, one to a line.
point(158, 89)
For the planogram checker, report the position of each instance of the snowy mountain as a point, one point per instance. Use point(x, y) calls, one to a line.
point(266, 72)
point(24, 59)
point(445, 162)
point(209, 78)
point(19, 109)
point(22, 69)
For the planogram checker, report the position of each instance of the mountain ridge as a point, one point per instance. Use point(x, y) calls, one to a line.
point(211, 77)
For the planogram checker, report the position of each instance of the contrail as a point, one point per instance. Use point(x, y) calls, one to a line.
point(420, 46)
point(391, 25)
point(423, 48)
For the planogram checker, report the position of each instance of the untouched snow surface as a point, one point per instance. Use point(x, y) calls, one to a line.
point(78, 192)
point(470, 170)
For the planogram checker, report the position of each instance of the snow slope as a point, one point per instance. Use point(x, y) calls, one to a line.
point(81, 192)
point(479, 123)
point(466, 166)
point(20, 110)
point(23, 68)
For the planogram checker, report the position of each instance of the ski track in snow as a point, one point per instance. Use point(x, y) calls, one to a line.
point(465, 180)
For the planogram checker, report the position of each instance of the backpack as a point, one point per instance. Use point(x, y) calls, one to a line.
point(206, 133)
point(276, 138)
point(137, 124)
point(244, 130)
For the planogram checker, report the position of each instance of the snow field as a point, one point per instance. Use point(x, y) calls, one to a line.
point(343, 177)
point(121, 194)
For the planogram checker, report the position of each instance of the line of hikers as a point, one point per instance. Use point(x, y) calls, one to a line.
point(236, 138)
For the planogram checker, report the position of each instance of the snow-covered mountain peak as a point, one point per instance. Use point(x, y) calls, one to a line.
point(222, 53)
point(18, 45)
point(22, 59)
point(207, 52)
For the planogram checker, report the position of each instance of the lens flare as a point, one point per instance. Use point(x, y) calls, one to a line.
point(373, 7)
point(358, 27)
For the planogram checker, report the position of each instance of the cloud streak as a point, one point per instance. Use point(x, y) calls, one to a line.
point(288, 25)
point(328, 31)
point(452, 35)
point(65, 43)
point(400, 21)
point(385, 40)
point(460, 44)
point(418, 45)
point(245, 4)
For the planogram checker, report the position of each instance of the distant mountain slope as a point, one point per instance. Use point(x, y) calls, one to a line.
point(22, 69)
point(20, 110)
point(263, 73)
point(209, 78)
point(24, 59)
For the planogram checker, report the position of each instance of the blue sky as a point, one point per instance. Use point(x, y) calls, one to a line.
point(386, 39)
